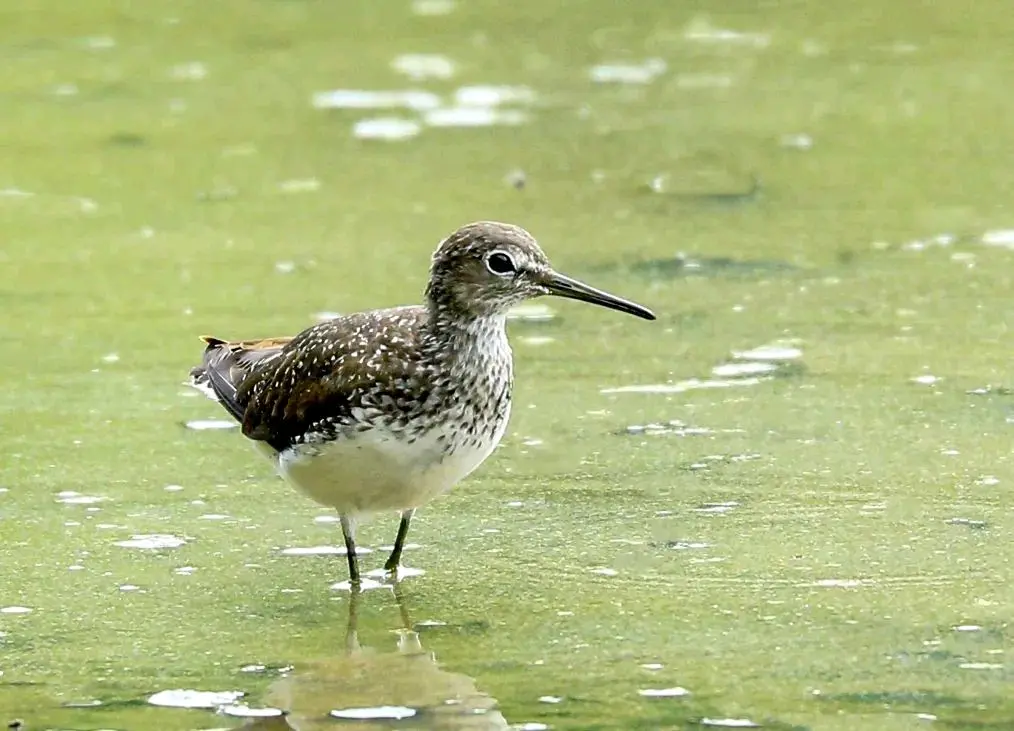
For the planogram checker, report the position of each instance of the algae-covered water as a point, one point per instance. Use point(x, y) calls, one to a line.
point(785, 503)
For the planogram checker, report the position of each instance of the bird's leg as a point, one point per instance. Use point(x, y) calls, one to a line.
point(394, 560)
point(349, 532)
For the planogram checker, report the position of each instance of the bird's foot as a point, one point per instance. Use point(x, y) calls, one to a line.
point(357, 587)
point(395, 573)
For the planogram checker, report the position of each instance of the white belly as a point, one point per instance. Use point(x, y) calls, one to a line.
point(375, 471)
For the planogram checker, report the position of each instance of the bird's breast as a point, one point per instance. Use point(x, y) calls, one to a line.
point(392, 468)
point(399, 453)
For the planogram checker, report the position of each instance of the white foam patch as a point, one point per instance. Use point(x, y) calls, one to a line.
point(404, 572)
point(419, 66)
point(674, 692)
point(981, 666)
point(373, 713)
point(692, 384)
point(738, 370)
point(151, 542)
point(386, 128)
point(796, 141)
point(729, 722)
point(432, 7)
point(491, 96)
point(243, 711)
point(627, 73)
point(362, 99)
point(776, 353)
point(210, 424)
point(688, 545)
point(700, 30)
point(321, 551)
point(181, 698)
point(190, 71)
point(1004, 238)
point(299, 185)
point(69, 497)
point(536, 340)
point(365, 584)
point(473, 117)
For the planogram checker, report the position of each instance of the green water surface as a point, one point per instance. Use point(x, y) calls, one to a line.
point(834, 178)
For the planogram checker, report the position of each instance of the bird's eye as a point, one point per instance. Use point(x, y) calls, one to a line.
point(500, 264)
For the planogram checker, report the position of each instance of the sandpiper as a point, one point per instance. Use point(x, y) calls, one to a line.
point(384, 410)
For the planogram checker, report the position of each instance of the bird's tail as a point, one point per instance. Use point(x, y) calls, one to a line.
point(226, 364)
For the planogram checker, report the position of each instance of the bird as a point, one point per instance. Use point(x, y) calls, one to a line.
point(384, 410)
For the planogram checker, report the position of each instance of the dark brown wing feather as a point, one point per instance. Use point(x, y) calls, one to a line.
point(227, 363)
point(283, 389)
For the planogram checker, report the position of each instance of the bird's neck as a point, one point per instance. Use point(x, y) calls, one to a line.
point(461, 340)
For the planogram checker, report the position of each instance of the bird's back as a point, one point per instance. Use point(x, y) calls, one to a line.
point(370, 411)
point(336, 375)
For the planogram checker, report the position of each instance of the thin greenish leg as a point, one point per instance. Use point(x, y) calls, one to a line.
point(349, 533)
point(394, 560)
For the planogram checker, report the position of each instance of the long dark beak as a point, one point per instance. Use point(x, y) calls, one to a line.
point(562, 286)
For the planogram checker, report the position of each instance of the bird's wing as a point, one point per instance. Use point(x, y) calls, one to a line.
point(226, 364)
point(285, 389)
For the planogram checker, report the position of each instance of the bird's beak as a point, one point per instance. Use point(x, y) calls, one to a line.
point(560, 286)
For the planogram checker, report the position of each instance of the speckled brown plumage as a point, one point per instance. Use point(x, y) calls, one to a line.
point(386, 409)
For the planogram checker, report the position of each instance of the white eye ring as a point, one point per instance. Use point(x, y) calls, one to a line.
point(501, 264)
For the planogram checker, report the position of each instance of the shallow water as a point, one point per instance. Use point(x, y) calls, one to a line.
point(670, 537)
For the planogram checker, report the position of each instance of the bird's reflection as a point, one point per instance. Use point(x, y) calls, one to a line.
point(371, 688)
